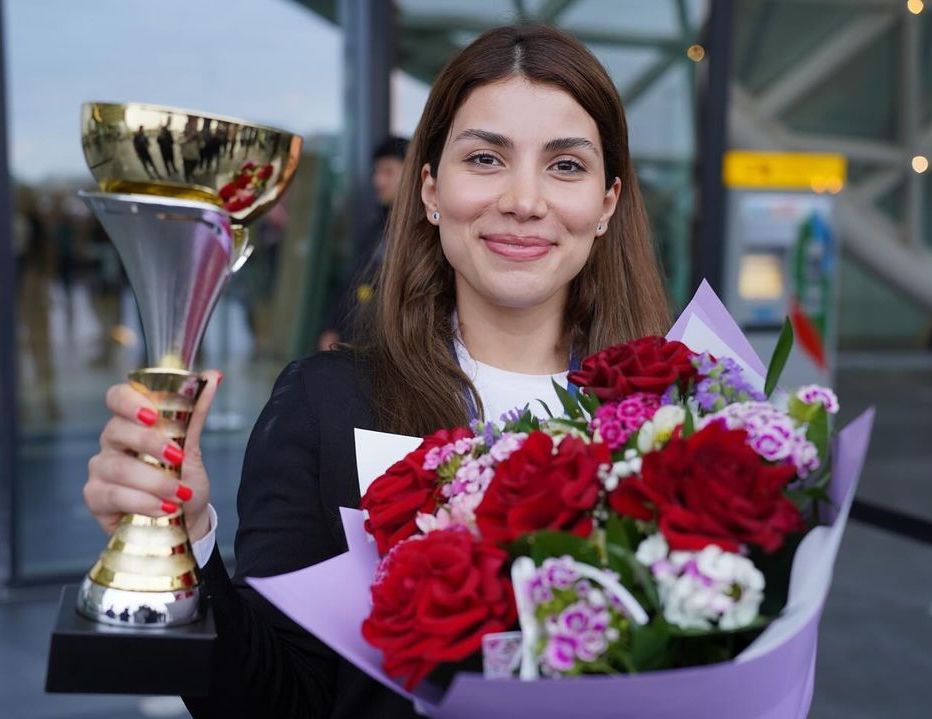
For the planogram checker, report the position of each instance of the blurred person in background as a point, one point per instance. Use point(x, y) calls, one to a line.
point(35, 260)
point(388, 161)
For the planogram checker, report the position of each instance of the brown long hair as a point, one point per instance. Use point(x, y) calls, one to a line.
point(417, 385)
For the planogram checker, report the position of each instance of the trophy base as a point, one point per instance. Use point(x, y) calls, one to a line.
point(88, 656)
point(140, 610)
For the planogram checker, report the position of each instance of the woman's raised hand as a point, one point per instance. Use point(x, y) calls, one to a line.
point(119, 482)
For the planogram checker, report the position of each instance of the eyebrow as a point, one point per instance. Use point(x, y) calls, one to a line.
point(499, 140)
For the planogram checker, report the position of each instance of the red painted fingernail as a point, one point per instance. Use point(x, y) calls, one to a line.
point(147, 416)
point(184, 493)
point(172, 454)
point(220, 379)
point(169, 507)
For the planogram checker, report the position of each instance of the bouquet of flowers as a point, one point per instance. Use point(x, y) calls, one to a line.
point(639, 542)
point(647, 527)
point(249, 182)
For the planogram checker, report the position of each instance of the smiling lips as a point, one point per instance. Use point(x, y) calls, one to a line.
point(518, 248)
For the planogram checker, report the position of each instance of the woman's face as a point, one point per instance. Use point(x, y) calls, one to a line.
point(520, 192)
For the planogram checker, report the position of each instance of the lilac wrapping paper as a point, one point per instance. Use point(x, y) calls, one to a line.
point(772, 679)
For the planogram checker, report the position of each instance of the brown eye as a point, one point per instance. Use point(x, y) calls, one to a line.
point(483, 158)
point(569, 167)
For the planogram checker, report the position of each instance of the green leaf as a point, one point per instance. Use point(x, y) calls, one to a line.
point(546, 408)
point(570, 405)
point(818, 432)
point(623, 532)
point(621, 540)
point(547, 543)
point(780, 355)
point(632, 443)
point(589, 402)
point(650, 646)
point(800, 411)
point(558, 423)
point(689, 424)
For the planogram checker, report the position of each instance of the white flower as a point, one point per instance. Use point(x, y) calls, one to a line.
point(701, 590)
point(623, 468)
point(665, 420)
point(651, 550)
point(646, 437)
point(658, 430)
point(428, 523)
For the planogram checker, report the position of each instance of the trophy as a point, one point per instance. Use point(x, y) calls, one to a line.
point(178, 190)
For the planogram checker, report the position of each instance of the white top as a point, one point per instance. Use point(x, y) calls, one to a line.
point(500, 390)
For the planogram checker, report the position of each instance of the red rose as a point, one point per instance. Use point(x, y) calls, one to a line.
point(434, 598)
point(648, 364)
point(394, 499)
point(711, 488)
point(226, 192)
point(536, 488)
point(265, 172)
point(240, 201)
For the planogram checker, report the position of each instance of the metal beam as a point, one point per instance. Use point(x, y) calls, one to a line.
point(851, 4)
point(521, 14)
point(753, 121)
point(876, 185)
point(870, 151)
point(925, 140)
point(708, 251)
point(910, 106)
point(823, 62)
point(368, 48)
point(443, 22)
point(8, 348)
point(646, 79)
point(682, 15)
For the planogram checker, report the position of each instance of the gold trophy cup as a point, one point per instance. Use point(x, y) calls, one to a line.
point(178, 191)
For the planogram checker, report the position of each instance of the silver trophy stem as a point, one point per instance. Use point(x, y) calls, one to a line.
point(178, 255)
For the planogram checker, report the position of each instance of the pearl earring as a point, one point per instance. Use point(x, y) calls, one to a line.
point(436, 216)
point(599, 228)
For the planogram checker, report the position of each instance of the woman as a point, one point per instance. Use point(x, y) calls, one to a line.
point(518, 243)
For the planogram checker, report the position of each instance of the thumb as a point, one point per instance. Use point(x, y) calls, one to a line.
point(199, 415)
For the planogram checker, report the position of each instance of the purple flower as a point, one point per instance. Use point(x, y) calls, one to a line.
point(538, 590)
point(723, 384)
point(704, 363)
point(813, 393)
point(512, 415)
point(590, 646)
point(559, 573)
point(560, 654)
point(774, 440)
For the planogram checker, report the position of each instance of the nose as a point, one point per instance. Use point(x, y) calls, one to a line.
point(523, 196)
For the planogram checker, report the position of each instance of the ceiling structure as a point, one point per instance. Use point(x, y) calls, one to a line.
point(847, 76)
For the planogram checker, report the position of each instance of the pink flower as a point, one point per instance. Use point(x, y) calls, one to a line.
point(617, 421)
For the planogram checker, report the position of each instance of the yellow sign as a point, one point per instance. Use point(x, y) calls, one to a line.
point(785, 171)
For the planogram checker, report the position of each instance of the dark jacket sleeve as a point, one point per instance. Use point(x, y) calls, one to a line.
point(265, 664)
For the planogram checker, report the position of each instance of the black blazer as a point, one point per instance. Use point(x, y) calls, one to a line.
point(300, 467)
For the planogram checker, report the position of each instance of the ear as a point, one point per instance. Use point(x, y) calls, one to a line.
point(428, 190)
point(609, 203)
